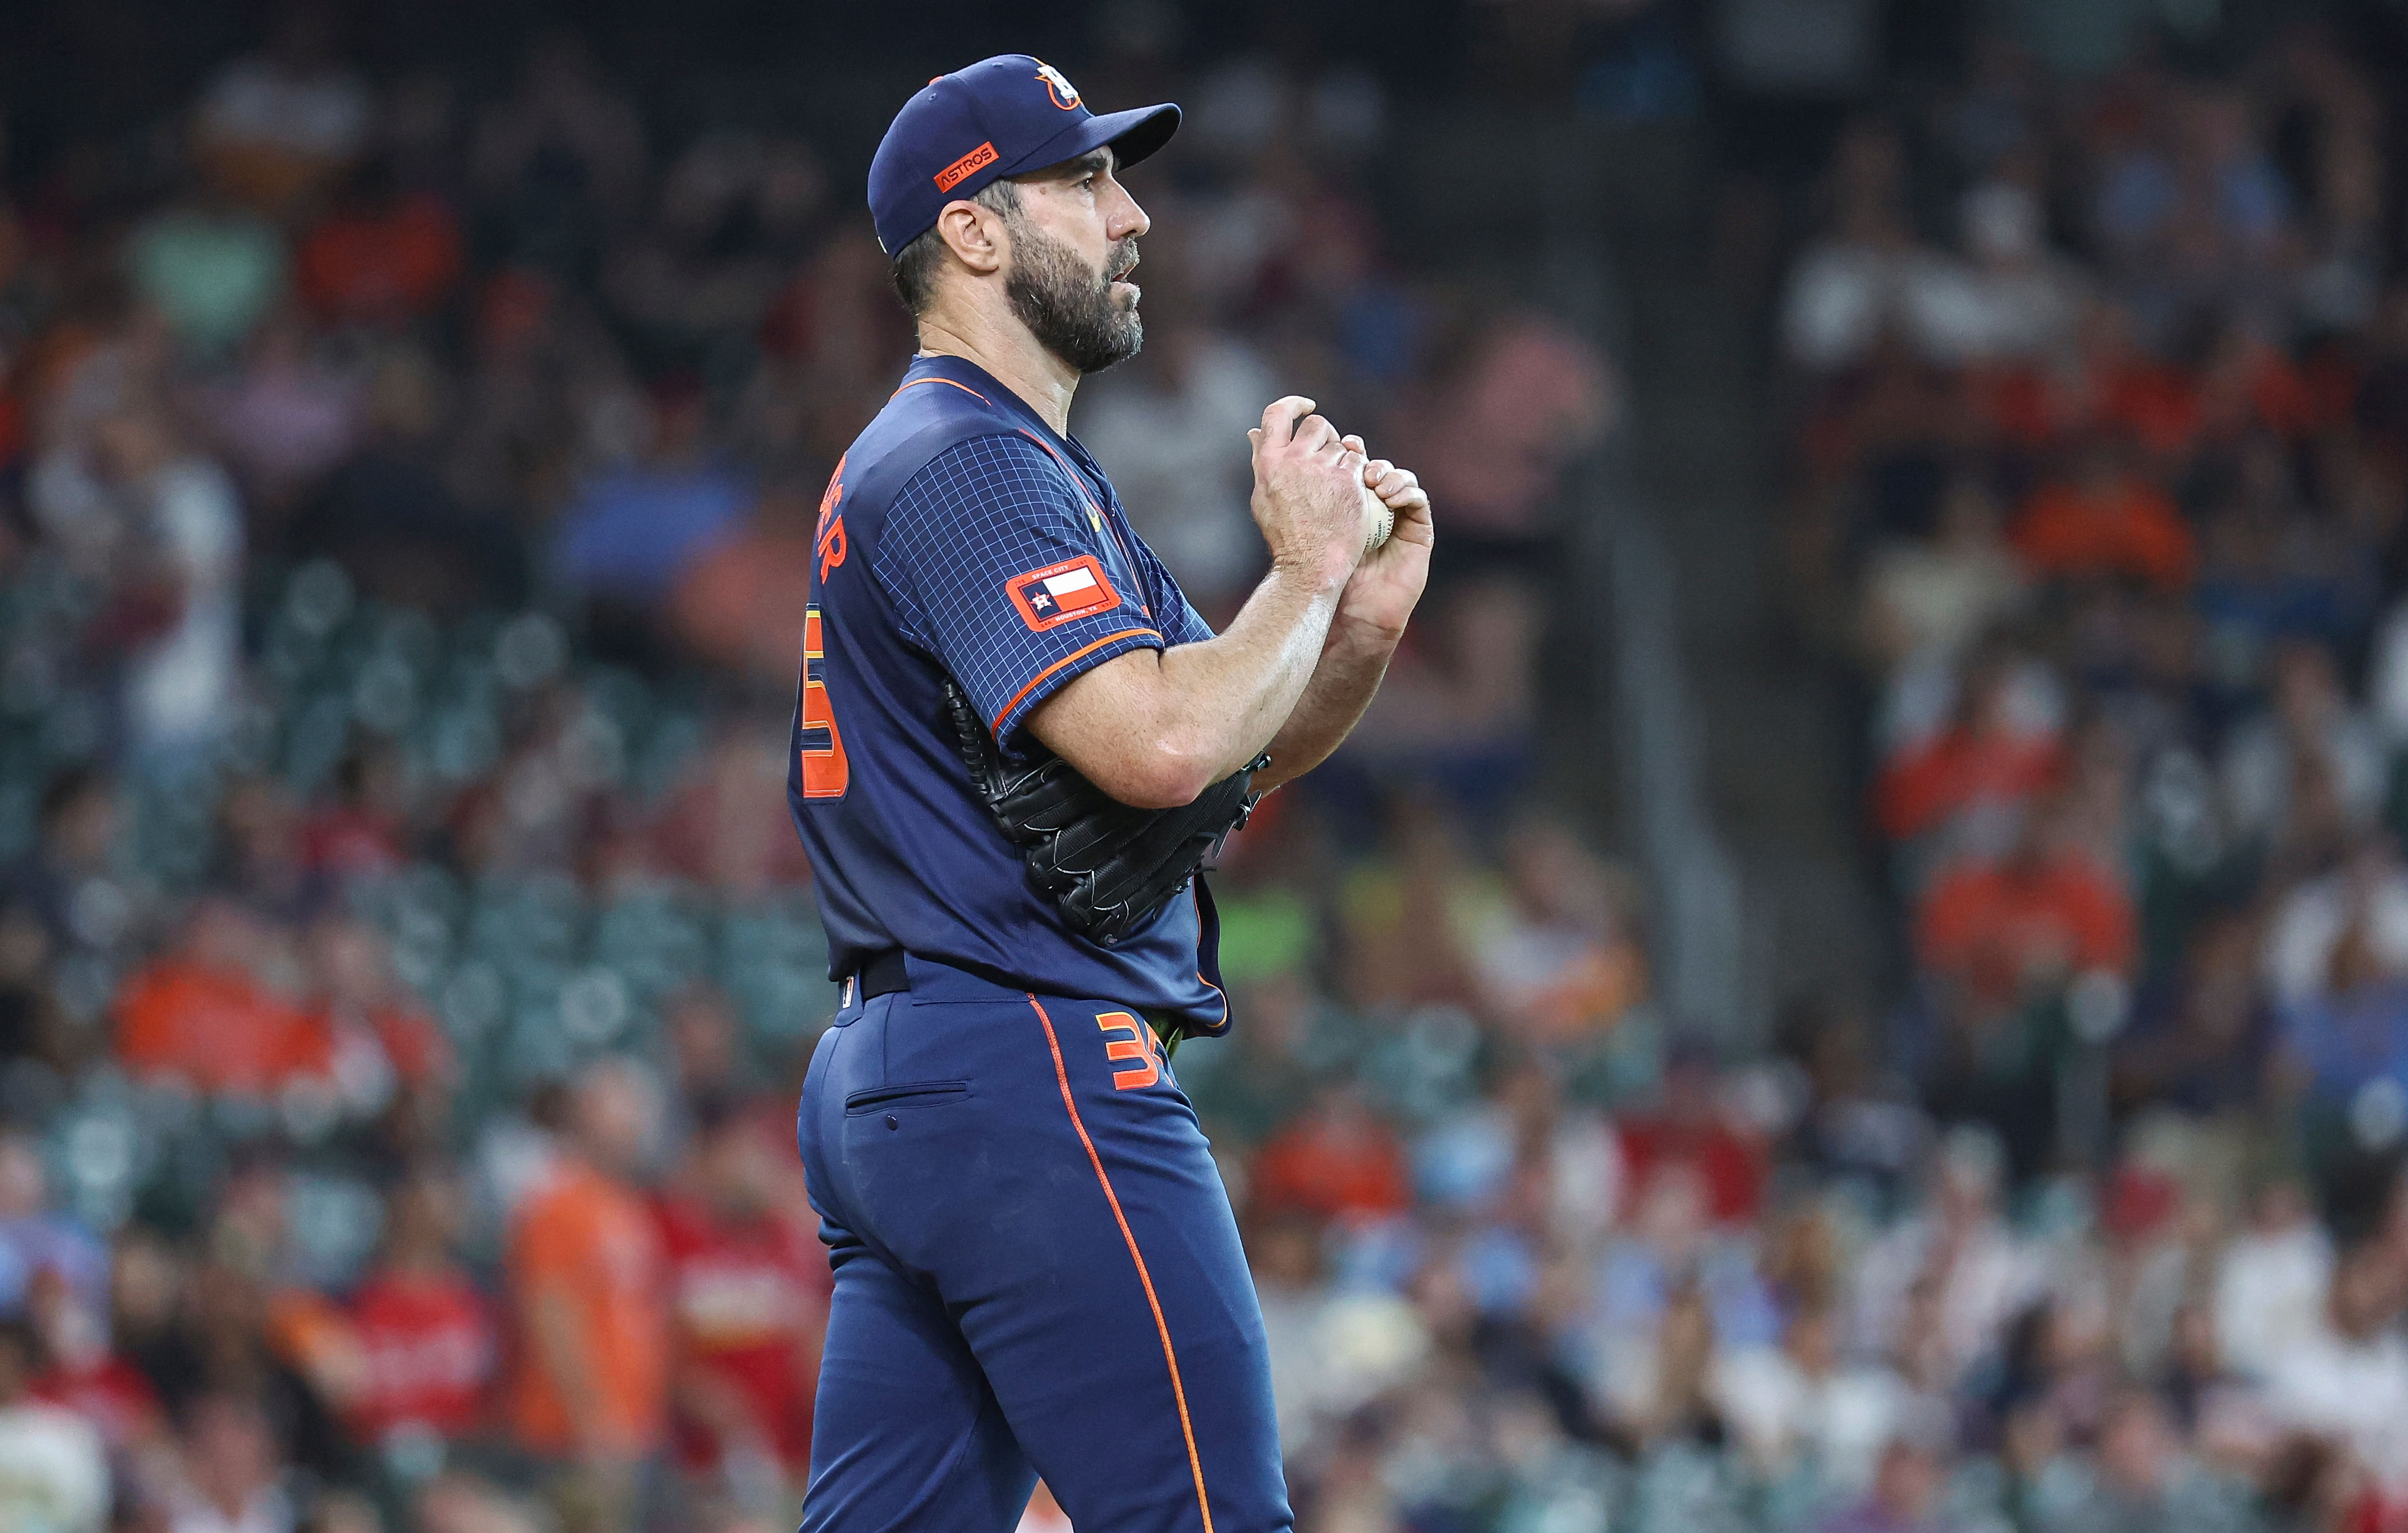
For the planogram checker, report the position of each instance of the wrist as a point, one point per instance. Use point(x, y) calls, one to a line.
point(1353, 633)
point(1322, 572)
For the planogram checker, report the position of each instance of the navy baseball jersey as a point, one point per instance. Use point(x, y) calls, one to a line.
point(960, 536)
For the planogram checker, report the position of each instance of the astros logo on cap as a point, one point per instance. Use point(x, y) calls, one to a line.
point(1065, 95)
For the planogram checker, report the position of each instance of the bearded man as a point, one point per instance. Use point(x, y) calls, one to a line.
point(1016, 744)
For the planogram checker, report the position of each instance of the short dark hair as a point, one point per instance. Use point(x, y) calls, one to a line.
point(916, 266)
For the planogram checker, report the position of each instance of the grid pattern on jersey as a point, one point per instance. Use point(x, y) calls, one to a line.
point(977, 515)
point(1180, 622)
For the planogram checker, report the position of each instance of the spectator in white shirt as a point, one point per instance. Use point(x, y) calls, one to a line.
point(2345, 1382)
point(2368, 894)
point(1800, 1402)
point(1982, 1273)
point(54, 1471)
point(2312, 726)
point(1867, 275)
point(276, 125)
point(182, 676)
point(2272, 1283)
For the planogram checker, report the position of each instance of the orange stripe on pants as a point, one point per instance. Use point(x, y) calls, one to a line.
point(1161, 1326)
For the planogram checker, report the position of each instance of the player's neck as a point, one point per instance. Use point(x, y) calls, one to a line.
point(1011, 356)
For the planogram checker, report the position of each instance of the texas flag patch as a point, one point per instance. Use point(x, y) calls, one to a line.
point(1063, 592)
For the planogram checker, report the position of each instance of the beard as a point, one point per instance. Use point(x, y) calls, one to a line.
point(1068, 305)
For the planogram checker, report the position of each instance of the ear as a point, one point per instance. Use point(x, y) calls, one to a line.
point(974, 234)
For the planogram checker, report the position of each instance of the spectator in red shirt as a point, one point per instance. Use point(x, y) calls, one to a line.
point(749, 1287)
point(426, 1336)
point(1686, 1128)
point(709, 825)
point(2106, 520)
point(362, 831)
point(385, 257)
point(2248, 384)
point(363, 1020)
point(1338, 1160)
point(82, 1373)
point(2046, 912)
point(2152, 401)
point(2110, 383)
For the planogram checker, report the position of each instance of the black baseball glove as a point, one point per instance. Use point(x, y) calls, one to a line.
point(1108, 867)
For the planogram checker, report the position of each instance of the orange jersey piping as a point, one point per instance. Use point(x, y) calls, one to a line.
point(1079, 653)
point(964, 387)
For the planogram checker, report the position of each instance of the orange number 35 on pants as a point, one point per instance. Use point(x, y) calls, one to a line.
point(1138, 1045)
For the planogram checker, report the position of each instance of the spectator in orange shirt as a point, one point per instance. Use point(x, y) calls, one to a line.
point(1985, 756)
point(2003, 932)
point(1338, 1160)
point(589, 1390)
point(2106, 520)
point(201, 1013)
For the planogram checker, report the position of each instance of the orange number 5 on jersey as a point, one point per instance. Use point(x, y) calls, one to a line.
point(1138, 1045)
point(825, 773)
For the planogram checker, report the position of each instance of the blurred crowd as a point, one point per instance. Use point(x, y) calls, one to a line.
point(406, 969)
point(406, 966)
point(2096, 479)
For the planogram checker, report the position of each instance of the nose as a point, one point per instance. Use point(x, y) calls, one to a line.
point(1128, 221)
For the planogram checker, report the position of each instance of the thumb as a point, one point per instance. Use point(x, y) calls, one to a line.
point(1255, 446)
point(1285, 412)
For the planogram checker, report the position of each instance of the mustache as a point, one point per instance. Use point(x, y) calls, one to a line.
point(1122, 261)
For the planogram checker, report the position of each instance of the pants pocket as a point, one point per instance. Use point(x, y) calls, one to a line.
point(906, 1093)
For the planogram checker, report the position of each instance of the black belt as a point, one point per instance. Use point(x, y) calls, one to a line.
point(883, 975)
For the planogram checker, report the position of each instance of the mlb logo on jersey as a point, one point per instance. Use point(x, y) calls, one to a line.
point(1063, 592)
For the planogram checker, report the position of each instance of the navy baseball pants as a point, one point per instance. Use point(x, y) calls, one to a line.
point(1036, 1273)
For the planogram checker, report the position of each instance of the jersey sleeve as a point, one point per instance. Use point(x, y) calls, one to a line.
point(990, 549)
point(1179, 621)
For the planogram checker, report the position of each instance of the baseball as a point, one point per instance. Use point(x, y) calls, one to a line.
point(1378, 521)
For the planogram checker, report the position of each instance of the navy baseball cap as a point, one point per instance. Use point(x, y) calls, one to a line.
point(1004, 116)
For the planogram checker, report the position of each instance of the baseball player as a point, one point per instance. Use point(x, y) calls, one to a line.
point(1014, 744)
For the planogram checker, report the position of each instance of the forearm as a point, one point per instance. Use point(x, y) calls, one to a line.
point(1235, 692)
point(1353, 660)
point(1156, 727)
